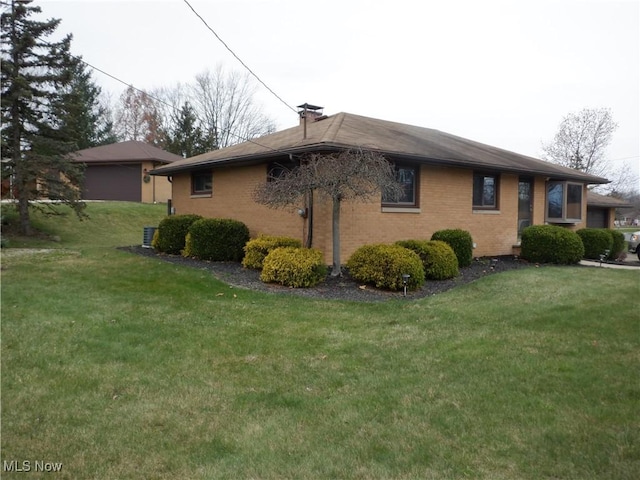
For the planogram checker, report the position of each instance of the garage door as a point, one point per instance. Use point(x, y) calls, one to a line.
point(113, 182)
point(597, 217)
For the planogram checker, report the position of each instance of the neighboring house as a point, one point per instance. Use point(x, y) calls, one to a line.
point(120, 171)
point(450, 182)
point(601, 210)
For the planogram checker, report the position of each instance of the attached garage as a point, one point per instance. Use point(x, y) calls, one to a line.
point(601, 210)
point(597, 217)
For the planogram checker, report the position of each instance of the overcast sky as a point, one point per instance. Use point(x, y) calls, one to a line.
point(499, 72)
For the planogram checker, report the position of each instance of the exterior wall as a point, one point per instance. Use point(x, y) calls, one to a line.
point(157, 189)
point(232, 198)
point(445, 201)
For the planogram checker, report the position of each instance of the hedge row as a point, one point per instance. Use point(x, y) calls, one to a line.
point(555, 244)
point(551, 244)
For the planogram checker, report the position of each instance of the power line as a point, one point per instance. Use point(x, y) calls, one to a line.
point(238, 58)
point(159, 100)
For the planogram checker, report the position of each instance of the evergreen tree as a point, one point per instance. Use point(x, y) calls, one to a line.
point(84, 119)
point(187, 138)
point(34, 73)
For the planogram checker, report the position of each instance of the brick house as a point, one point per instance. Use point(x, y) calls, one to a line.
point(450, 182)
point(120, 171)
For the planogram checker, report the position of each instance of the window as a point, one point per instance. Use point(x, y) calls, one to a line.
point(277, 170)
point(408, 178)
point(564, 202)
point(485, 191)
point(201, 183)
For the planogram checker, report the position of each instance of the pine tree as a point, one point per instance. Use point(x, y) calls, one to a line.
point(187, 138)
point(84, 119)
point(34, 73)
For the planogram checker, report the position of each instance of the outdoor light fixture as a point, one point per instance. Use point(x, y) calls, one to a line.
point(604, 255)
point(405, 281)
point(302, 212)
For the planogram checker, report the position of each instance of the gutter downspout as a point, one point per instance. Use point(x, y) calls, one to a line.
point(309, 242)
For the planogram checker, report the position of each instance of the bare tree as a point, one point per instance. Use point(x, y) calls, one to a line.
point(224, 102)
point(581, 141)
point(138, 118)
point(349, 175)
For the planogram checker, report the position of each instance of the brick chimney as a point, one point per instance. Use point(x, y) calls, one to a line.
point(309, 113)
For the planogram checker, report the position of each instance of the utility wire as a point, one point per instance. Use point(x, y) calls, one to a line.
point(159, 100)
point(238, 58)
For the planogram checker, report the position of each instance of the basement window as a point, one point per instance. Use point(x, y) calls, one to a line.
point(202, 183)
point(564, 202)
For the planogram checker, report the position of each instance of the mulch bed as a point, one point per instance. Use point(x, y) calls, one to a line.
point(337, 288)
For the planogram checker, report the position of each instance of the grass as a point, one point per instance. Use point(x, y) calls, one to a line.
point(126, 367)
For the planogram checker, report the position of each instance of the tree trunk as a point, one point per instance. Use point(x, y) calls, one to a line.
point(336, 271)
point(22, 196)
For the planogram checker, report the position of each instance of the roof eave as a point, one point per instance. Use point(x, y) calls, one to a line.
point(257, 158)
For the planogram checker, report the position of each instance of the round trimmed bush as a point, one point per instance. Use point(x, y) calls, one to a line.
point(383, 266)
point(618, 245)
point(551, 244)
point(171, 233)
point(294, 267)
point(258, 248)
point(595, 241)
point(461, 243)
point(438, 258)
point(217, 239)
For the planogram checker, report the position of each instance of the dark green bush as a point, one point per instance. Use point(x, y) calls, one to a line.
point(258, 248)
point(383, 266)
point(461, 243)
point(217, 239)
point(171, 233)
point(438, 258)
point(294, 267)
point(618, 245)
point(551, 244)
point(595, 241)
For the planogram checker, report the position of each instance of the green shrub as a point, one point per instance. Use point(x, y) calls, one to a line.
point(383, 266)
point(217, 239)
point(461, 243)
point(551, 244)
point(258, 248)
point(595, 241)
point(438, 258)
point(171, 233)
point(618, 245)
point(294, 267)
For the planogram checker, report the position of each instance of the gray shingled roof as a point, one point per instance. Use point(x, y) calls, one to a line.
point(395, 140)
point(597, 200)
point(131, 151)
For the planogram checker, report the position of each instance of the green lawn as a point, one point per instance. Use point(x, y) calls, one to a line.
point(120, 366)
